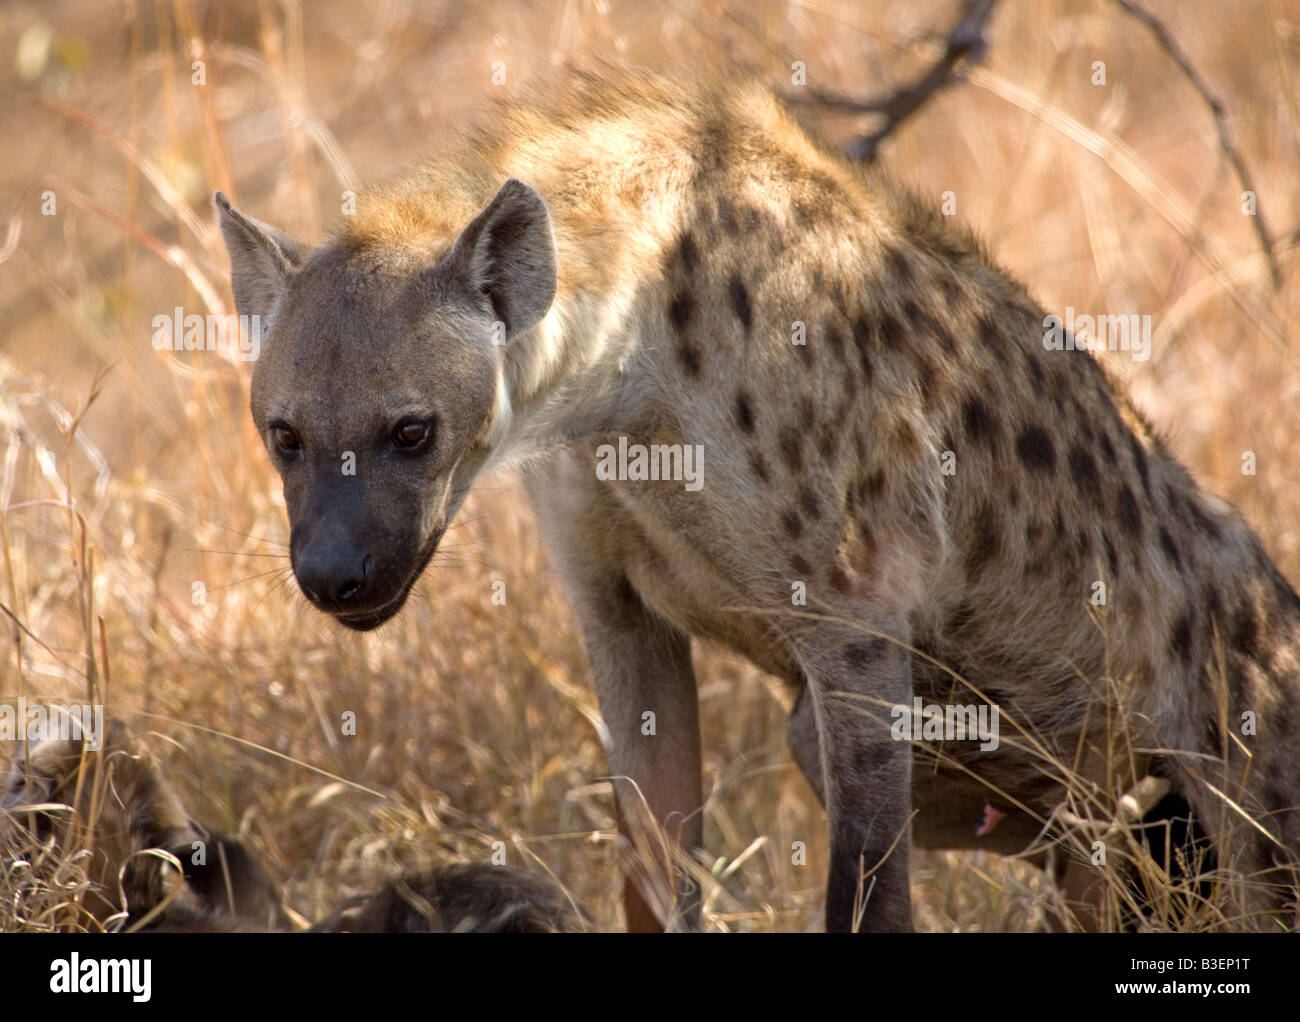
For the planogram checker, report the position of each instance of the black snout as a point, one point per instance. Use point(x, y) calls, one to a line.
point(334, 574)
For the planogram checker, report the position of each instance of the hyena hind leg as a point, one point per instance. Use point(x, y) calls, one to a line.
point(854, 679)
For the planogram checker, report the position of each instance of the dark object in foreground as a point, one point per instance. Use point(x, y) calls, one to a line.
point(468, 898)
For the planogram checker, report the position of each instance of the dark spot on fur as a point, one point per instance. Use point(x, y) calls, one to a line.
point(751, 219)
point(792, 524)
point(1180, 639)
point(825, 184)
point(681, 310)
point(799, 565)
point(875, 483)
point(985, 544)
point(864, 655)
point(946, 341)
point(899, 265)
point(1203, 521)
point(809, 502)
point(890, 331)
point(839, 580)
point(835, 341)
point(927, 375)
point(688, 254)
point(1140, 460)
point(740, 303)
point(1213, 606)
point(791, 443)
point(944, 246)
point(1112, 558)
point(744, 412)
point(759, 465)
point(1035, 366)
point(1058, 528)
point(1084, 471)
point(727, 217)
point(1035, 449)
point(807, 412)
point(1107, 448)
point(1058, 391)
point(912, 314)
point(1171, 548)
point(1128, 512)
point(980, 425)
point(862, 339)
point(962, 617)
point(992, 337)
point(689, 355)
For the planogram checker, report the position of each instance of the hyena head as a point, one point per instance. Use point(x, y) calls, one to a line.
point(135, 810)
point(379, 391)
point(54, 771)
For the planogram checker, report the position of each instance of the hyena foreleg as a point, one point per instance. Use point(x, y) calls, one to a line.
point(645, 683)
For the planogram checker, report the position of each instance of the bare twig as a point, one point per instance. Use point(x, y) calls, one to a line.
point(964, 43)
point(1175, 52)
point(1133, 807)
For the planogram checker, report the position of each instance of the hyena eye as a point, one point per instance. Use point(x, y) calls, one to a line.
point(286, 440)
point(410, 435)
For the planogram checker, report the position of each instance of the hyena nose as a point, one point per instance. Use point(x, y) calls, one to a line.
point(333, 577)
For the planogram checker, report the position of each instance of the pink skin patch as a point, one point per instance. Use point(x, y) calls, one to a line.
point(991, 819)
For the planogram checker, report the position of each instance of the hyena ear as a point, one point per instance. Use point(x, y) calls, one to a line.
point(261, 259)
point(507, 255)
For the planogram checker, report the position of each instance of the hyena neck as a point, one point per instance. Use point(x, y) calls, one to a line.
point(558, 386)
point(579, 374)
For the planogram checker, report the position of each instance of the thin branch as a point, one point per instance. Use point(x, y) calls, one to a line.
point(1171, 47)
point(964, 43)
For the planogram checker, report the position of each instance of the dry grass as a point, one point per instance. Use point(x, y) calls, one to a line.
point(130, 475)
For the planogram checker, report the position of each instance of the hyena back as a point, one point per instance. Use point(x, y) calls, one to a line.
point(880, 422)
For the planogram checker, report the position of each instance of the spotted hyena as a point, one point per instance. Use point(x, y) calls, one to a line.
point(121, 793)
point(878, 428)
